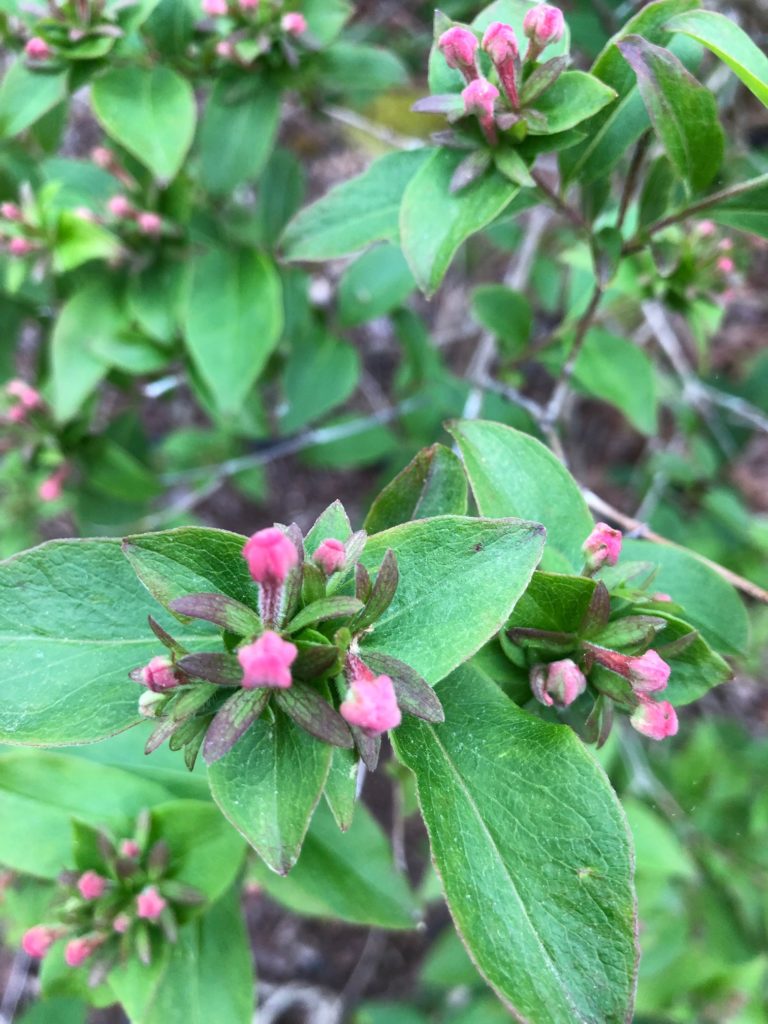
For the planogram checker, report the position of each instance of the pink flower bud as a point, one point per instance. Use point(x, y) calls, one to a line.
point(215, 8)
point(725, 245)
point(11, 211)
point(78, 950)
point(249, 5)
point(121, 924)
point(102, 157)
point(120, 206)
point(293, 23)
point(38, 49)
point(602, 547)
point(150, 904)
point(129, 848)
point(559, 683)
point(706, 228)
point(225, 49)
point(370, 703)
point(646, 674)
point(16, 414)
point(500, 43)
point(270, 556)
point(50, 489)
point(662, 598)
point(459, 47)
point(543, 25)
point(330, 556)
point(26, 394)
point(479, 98)
point(267, 662)
point(655, 720)
point(726, 265)
point(20, 247)
point(38, 940)
point(159, 674)
point(149, 223)
point(91, 885)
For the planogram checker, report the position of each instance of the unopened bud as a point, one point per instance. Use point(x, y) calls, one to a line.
point(79, 950)
point(151, 703)
point(37, 49)
point(91, 885)
point(26, 394)
point(559, 683)
point(293, 23)
point(370, 703)
point(38, 940)
point(267, 662)
point(121, 924)
point(330, 556)
point(129, 848)
point(648, 673)
point(149, 223)
point(500, 43)
point(602, 547)
point(10, 211)
point(51, 489)
point(655, 720)
point(159, 675)
point(543, 25)
point(120, 206)
point(150, 904)
point(726, 265)
point(215, 8)
point(225, 49)
point(479, 98)
point(270, 556)
point(102, 157)
point(20, 247)
point(459, 47)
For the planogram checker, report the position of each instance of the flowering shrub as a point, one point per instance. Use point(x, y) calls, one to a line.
point(480, 617)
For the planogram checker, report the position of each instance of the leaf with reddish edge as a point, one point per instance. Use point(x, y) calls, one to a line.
point(221, 669)
point(314, 660)
point(312, 712)
point(232, 720)
point(433, 483)
point(414, 695)
point(219, 609)
point(382, 593)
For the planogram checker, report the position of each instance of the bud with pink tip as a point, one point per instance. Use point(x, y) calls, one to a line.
point(479, 98)
point(129, 848)
point(102, 157)
point(543, 25)
point(559, 683)
point(330, 556)
point(20, 247)
point(150, 904)
point(602, 547)
point(149, 223)
point(459, 47)
point(706, 228)
point(121, 924)
point(655, 720)
point(51, 489)
point(270, 555)
point(215, 8)
point(293, 23)
point(648, 673)
point(371, 703)
point(78, 950)
point(91, 885)
point(267, 662)
point(38, 940)
point(37, 49)
point(159, 675)
point(500, 43)
point(726, 265)
point(10, 211)
point(120, 206)
point(26, 394)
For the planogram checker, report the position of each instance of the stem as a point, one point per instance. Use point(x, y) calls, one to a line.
point(567, 211)
point(633, 175)
point(555, 406)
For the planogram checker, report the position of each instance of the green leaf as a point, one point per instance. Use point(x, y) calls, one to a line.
point(191, 560)
point(25, 96)
point(533, 851)
point(234, 318)
point(554, 603)
point(40, 794)
point(150, 111)
point(78, 241)
point(432, 484)
point(612, 131)
point(730, 43)
point(682, 111)
point(237, 134)
point(376, 283)
point(459, 581)
point(505, 313)
point(513, 474)
point(268, 785)
point(747, 211)
point(711, 604)
point(695, 669)
point(619, 372)
point(434, 222)
point(326, 18)
point(89, 317)
point(333, 522)
point(155, 296)
point(321, 373)
point(350, 877)
point(573, 98)
point(355, 214)
point(73, 623)
point(341, 787)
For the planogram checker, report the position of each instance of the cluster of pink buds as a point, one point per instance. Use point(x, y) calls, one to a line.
point(300, 644)
point(15, 244)
point(25, 400)
point(249, 16)
point(99, 909)
point(147, 221)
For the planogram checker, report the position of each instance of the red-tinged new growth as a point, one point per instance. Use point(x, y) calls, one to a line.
point(370, 703)
point(648, 673)
point(559, 683)
point(267, 662)
point(543, 25)
point(655, 720)
point(149, 223)
point(293, 23)
point(330, 556)
point(37, 49)
point(38, 940)
point(91, 885)
point(500, 43)
point(480, 98)
point(459, 47)
point(159, 675)
point(215, 8)
point(79, 950)
point(602, 547)
point(270, 556)
point(150, 904)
